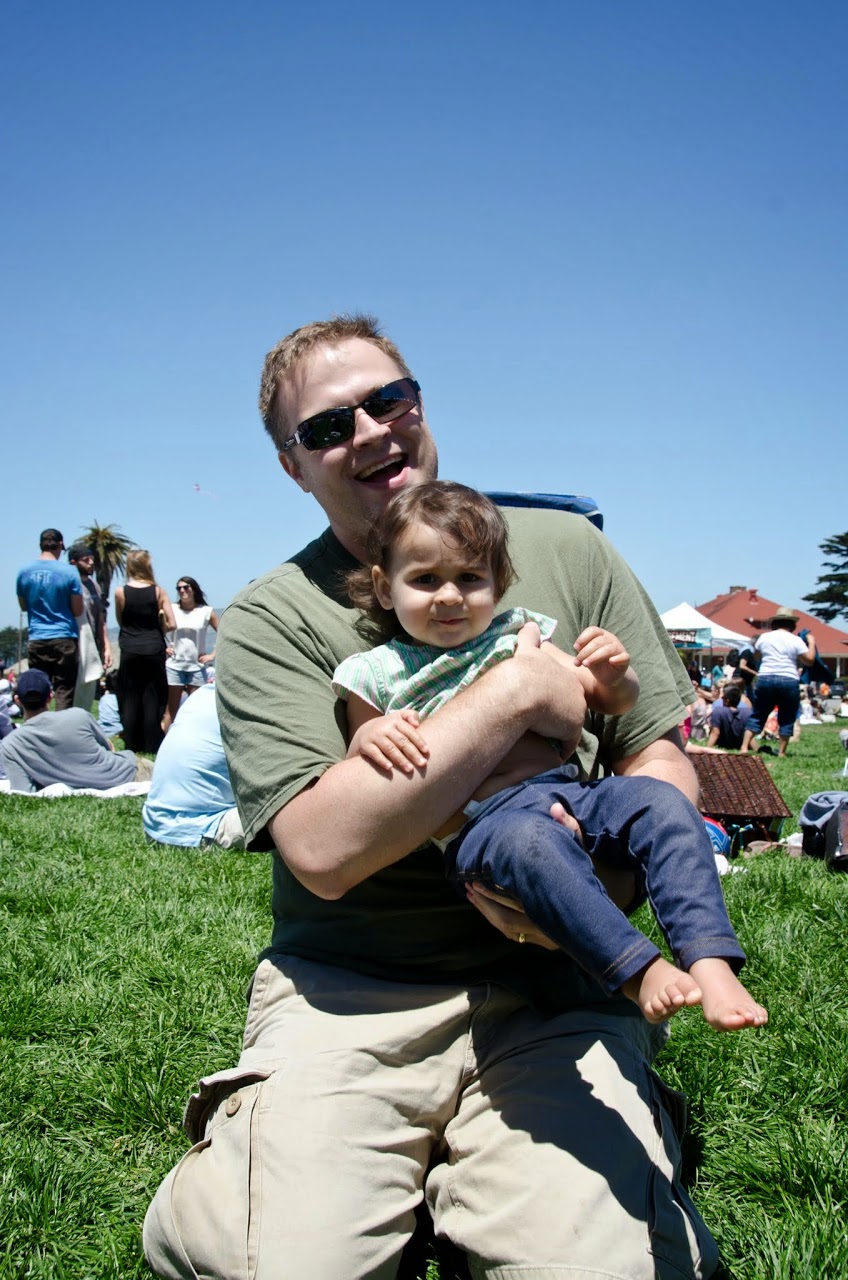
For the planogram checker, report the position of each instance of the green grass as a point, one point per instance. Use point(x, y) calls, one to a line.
point(122, 980)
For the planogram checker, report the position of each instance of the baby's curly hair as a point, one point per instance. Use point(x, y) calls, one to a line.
point(464, 515)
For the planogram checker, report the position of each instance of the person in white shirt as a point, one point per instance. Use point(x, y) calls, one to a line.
point(187, 657)
point(778, 681)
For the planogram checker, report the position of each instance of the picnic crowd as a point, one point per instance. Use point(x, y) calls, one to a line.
point(436, 716)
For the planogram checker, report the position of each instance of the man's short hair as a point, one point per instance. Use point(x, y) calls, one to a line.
point(288, 353)
point(731, 696)
point(50, 540)
point(78, 552)
point(34, 689)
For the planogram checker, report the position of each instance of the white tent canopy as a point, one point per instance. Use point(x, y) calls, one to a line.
point(685, 617)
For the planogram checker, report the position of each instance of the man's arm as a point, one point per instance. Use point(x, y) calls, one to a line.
point(103, 638)
point(664, 759)
point(77, 605)
point(99, 736)
point(19, 779)
point(357, 819)
point(807, 659)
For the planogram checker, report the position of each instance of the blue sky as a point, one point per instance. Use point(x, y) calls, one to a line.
point(610, 239)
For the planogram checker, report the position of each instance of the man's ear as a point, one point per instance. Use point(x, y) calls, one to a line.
point(382, 589)
point(289, 464)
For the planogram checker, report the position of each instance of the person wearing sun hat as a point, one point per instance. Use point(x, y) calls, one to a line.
point(778, 681)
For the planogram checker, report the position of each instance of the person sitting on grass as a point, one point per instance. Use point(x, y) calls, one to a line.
point(439, 564)
point(108, 712)
point(63, 746)
point(190, 802)
point(729, 720)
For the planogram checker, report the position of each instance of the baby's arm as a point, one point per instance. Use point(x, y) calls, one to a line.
point(603, 668)
point(388, 741)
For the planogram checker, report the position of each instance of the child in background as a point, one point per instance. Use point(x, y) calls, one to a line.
point(439, 566)
point(108, 713)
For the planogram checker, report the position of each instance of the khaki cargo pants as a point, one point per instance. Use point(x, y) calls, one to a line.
point(545, 1148)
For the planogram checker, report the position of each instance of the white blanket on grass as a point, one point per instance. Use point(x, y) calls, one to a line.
point(58, 790)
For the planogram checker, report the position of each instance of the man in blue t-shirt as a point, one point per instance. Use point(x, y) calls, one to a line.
point(51, 593)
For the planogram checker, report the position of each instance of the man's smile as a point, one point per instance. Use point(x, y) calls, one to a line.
point(382, 472)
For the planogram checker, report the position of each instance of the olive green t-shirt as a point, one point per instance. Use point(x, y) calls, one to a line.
point(280, 642)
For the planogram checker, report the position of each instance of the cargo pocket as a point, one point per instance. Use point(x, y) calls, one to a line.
point(679, 1240)
point(204, 1220)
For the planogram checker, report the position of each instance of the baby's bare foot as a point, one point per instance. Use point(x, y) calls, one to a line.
point(661, 989)
point(727, 1005)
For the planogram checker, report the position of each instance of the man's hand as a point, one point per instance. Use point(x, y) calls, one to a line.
point(507, 916)
point(560, 700)
point(107, 656)
point(391, 742)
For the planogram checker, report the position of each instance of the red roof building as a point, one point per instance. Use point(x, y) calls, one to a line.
point(743, 609)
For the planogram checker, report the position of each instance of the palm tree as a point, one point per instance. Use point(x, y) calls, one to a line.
point(110, 548)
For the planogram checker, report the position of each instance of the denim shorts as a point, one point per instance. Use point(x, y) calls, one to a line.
point(185, 679)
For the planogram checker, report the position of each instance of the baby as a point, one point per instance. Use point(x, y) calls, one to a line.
point(440, 565)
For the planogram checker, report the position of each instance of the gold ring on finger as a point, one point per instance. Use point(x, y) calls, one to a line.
point(522, 937)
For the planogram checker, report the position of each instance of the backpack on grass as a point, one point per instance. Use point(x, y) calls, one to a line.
point(824, 828)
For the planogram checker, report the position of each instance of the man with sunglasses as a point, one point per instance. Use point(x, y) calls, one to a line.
point(397, 1046)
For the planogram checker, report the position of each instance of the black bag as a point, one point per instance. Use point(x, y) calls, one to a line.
point(824, 828)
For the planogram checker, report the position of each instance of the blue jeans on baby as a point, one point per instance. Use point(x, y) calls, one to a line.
point(636, 824)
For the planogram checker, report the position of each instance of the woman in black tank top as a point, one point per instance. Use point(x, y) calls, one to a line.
point(144, 614)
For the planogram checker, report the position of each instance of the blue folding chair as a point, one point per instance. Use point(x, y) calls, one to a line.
point(576, 502)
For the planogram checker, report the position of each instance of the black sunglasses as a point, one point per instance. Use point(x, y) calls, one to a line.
point(334, 426)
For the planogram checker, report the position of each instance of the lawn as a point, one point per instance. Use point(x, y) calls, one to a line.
point(122, 980)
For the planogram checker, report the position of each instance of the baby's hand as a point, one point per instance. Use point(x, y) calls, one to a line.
point(603, 653)
point(391, 742)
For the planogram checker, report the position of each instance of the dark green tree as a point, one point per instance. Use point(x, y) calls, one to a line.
point(110, 548)
point(831, 599)
point(9, 645)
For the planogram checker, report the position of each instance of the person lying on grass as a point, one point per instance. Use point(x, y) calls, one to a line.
point(439, 564)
